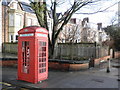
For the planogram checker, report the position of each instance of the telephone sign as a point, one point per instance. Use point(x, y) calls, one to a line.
point(33, 54)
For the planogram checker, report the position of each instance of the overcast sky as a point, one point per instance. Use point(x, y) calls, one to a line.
point(104, 17)
point(101, 17)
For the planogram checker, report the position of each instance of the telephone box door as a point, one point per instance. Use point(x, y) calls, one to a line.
point(25, 56)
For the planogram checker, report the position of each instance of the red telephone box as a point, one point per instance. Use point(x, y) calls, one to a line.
point(33, 54)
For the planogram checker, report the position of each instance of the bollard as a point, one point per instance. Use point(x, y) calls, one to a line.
point(91, 62)
point(108, 65)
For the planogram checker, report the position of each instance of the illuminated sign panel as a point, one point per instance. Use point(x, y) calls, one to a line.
point(25, 35)
point(42, 35)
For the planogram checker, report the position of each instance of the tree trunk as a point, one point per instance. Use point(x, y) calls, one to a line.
point(51, 51)
point(52, 47)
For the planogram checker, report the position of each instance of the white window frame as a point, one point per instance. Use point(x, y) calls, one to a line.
point(11, 19)
point(18, 21)
point(29, 21)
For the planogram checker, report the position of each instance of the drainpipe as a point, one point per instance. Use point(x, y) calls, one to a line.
point(1, 25)
point(5, 14)
point(24, 19)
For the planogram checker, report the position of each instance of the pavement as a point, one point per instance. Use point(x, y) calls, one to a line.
point(91, 78)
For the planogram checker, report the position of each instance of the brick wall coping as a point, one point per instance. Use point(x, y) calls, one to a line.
point(52, 60)
point(7, 59)
point(69, 61)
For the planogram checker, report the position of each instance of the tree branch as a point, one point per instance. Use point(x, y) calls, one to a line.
point(54, 21)
point(99, 10)
point(45, 15)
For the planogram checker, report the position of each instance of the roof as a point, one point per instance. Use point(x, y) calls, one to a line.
point(50, 14)
point(33, 29)
point(6, 2)
point(26, 7)
point(58, 14)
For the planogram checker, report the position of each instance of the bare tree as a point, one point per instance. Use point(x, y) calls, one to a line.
point(40, 9)
point(114, 19)
point(70, 33)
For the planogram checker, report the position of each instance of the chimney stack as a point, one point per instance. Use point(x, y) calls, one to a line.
point(85, 20)
point(99, 26)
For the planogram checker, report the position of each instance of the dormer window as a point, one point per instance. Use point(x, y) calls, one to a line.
point(14, 5)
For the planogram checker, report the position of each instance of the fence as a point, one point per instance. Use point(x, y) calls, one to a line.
point(78, 52)
point(70, 51)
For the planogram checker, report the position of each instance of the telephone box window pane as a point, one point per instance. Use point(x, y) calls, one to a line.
point(40, 59)
point(44, 44)
point(44, 60)
point(40, 54)
point(43, 48)
point(25, 56)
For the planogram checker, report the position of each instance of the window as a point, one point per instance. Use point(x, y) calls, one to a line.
point(29, 22)
point(18, 20)
point(11, 19)
point(11, 38)
point(34, 22)
point(16, 37)
point(14, 5)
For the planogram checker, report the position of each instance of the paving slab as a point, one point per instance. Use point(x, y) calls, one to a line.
point(93, 78)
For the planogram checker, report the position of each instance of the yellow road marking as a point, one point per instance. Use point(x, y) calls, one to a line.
point(7, 84)
point(24, 89)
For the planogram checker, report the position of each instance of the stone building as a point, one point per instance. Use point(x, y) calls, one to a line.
point(84, 30)
point(91, 35)
point(17, 15)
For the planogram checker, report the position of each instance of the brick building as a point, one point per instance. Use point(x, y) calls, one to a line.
point(5, 22)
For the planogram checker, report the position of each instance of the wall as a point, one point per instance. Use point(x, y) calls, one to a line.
point(0, 26)
point(11, 48)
